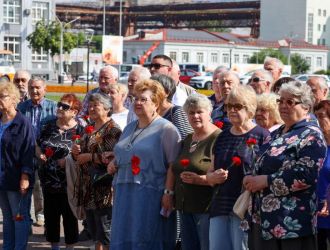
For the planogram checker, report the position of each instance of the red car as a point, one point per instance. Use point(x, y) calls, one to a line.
point(187, 74)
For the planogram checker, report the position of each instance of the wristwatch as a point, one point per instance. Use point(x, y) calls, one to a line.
point(169, 192)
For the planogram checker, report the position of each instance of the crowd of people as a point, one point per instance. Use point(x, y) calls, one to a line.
point(155, 165)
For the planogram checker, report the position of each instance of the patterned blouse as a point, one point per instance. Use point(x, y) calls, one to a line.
point(102, 140)
point(287, 207)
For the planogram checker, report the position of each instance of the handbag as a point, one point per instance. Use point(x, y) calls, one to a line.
point(242, 204)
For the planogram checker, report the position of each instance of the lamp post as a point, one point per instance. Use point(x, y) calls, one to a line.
point(232, 45)
point(289, 54)
point(89, 36)
point(60, 67)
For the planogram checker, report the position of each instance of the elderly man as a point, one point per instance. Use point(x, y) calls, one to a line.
point(261, 81)
point(216, 97)
point(136, 75)
point(108, 75)
point(21, 80)
point(319, 88)
point(182, 90)
point(39, 111)
point(226, 81)
point(274, 66)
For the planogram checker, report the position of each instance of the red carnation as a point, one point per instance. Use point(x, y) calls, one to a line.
point(18, 217)
point(135, 169)
point(218, 124)
point(49, 152)
point(135, 160)
point(76, 138)
point(251, 142)
point(184, 162)
point(236, 161)
point(86, 117)
point(89, 129)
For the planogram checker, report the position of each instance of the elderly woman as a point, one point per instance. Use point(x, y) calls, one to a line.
point(169, 111)
point(118, 94)
point(284, 207)
point(233, 158)
point(267, 114)
point(192, 191)
point(144, 182)
point(55, 144)
point(99, 139)
point(322, 112)
point(16, 169)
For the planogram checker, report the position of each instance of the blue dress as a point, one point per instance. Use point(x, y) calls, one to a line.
point(136, 220)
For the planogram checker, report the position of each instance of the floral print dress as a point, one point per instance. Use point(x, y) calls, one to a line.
point(287, 207)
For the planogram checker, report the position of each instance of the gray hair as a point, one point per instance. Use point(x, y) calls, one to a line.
point(267, 75)
point(220, 69)
point(97, 97)
point(22, 71)
point(112, 70)
point(227, 73)
point(168, 84)
point(321, 81)
point(37, 79)
point(301, 91)
point(196, 101)
point(142, 72)
point(271, 60)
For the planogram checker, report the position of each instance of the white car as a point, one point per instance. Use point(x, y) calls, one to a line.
point(303, 78)
point(202, 82)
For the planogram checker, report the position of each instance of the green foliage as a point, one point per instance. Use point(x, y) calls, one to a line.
point(97, 44)
point(298, 64)
point(259, 57)
point(322, 72)
point(48, 36)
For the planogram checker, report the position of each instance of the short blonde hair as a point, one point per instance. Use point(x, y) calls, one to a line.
point(246, 96)
point(196, 101)
point(157, 90)
point(12, 91)
point(120, 88)
point(268, 101)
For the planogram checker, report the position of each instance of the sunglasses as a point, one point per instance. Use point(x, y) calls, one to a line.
point(157, 66)
point(18, 80)
point(235, 106)
point(289, 102)
point(63, 106)
point(257, 79)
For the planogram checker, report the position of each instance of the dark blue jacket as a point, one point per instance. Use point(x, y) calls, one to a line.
point(17, 151)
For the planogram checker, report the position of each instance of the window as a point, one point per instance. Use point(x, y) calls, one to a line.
point(39, 11)
point(319, 62)
point(236, 58)
point(320, 12)
point(310, 27)
point(125, 56)
point(173, 55)
point(308, 60)
point(200, 57)
point(324, 12)
point(39, 56)
point(13, 44)
point(318, 41)
point(185, 57)
point(214, 57)
point(245, 58)
point(319, 27)
point(225, 58)
point(11, 11)
point(323, 41)
point(324, 28)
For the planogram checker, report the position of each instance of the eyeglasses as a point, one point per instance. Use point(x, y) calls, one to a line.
point(142, 100)
point(290, 103)
point(63, 106)
point(157, 66)
point(235, 106)
point(18, 80)
point(257, 79)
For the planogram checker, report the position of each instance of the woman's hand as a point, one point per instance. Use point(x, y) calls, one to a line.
point(219, 176)
point(189, 177)
point(255, 183)
point(324, 211)
point(112, 167)
point(43, 157)
point(84, 158)
point(107, 156)
point(167, 202)
point(75, 150)
point(24, 183)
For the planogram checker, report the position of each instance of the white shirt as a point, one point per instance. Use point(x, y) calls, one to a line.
point(179, 97)
point(120, 118)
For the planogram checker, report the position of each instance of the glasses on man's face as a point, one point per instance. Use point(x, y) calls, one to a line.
point(157, 66)
point(235, 106)
point(18, 80)
point(142, 100)
point(257, 79)
point(63, 106)
point(289, 103)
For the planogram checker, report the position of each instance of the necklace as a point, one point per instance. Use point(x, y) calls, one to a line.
point(193, 146)
point(133, 138)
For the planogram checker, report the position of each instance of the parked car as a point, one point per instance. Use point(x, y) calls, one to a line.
point(304, 77)
point(193, 66)
point(187, 74)
point(202, 82)
point(84, 77)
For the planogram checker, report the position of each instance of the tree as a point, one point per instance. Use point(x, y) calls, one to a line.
point(260, 56)
point(298, 64)
point(48, 37)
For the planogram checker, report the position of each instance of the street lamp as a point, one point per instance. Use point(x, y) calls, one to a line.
point(62, 26)
point(89, 36)
point(231, 47)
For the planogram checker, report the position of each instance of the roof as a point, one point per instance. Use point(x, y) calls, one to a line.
point(207, 37)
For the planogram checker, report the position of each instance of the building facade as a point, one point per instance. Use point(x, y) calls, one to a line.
point(17, 21)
